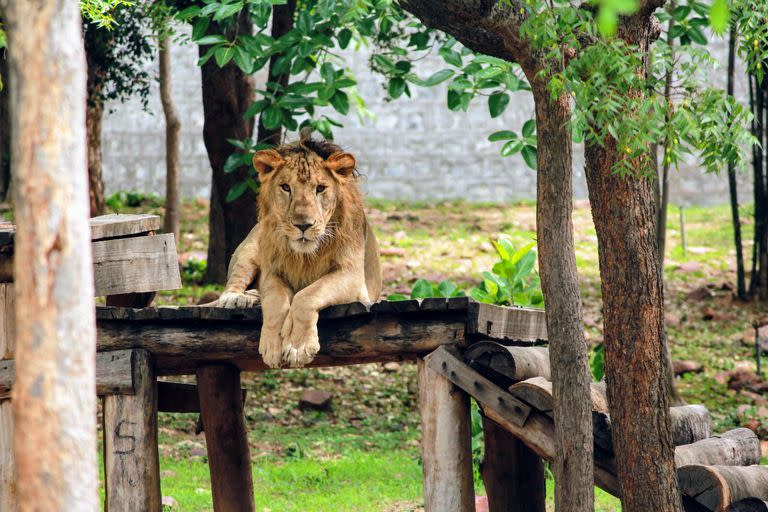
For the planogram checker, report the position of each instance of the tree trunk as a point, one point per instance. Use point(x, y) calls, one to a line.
point(227, 94)
point(94, 116)
point(574, 481)
point(5, 131)
point(54, 401)
point(282, 23)
point(636, 362)
point(761, 228)
point(741, 289)
point(172, 128)
point(663, 204)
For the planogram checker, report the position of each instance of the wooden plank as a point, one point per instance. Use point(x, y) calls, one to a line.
point(229, 460)
point(179, 346)
point(8, 498)
point(180, 397)
point(447, 363)
point(121, 224)
point(737, 447)
point(131, 300)
point(507, 323)
point(6, 267)
point(445, 444)
point(7, 321)
point(132, 472)
point(513, 474)
point(714, 488)
point(537, 392)
point(139, 264)
point(514, 363)
point(113, 374)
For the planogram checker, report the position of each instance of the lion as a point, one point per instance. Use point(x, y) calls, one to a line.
point(312, 247)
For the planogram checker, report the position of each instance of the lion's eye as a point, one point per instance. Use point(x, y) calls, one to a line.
point(320, 188)
point(285, 187)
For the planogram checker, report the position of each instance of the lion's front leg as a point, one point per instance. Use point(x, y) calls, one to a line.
point(299, 332)
point(243, 269)
point(275, 305)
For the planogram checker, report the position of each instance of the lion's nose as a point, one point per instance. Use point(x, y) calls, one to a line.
point(304, 227)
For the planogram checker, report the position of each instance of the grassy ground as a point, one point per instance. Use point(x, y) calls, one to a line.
point(364, 454)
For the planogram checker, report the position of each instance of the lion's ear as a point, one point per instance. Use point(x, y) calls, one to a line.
point(341, 163)
point(267, 161)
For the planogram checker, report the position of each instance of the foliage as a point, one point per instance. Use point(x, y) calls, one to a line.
point(423, 289)
point(513, 280)
point(597, 362)
point(102, 12)
point(525, 144)
point(477, 439)
point(131, 199)
point(193, 271)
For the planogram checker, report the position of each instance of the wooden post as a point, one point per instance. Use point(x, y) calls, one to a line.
point(445, 444)
point(54, 398)
point(131, 463)
point(8, 501)
point(512, 473)
point(229, 458)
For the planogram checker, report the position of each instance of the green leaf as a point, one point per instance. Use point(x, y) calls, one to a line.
point(438, 77)
point(340, 102)
point(491, 287)
point(502, 135)
point(243, 60)
point(529, 128)
point(236, 191)
point(454, 100)
point(234, 161)
point(227, 10)
point(188, 13)
point(511, 147)
point(447, 289)
point(256, 108)
point(271, 117)
point(480, 296)
point(607, 21)
point(212, 39)
point(718, 16)
point(344, 36)
point(529, 155)
point(328, 73)
point(597, 362)
point(497, 102)
point(396, 297)
point(396, 87)
point(223, 55)
point(697, 36)
point(522, 252)
point(422, 289)
point(200, 27)
point(452, 57)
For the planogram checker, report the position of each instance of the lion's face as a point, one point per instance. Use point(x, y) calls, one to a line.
point(302, 190)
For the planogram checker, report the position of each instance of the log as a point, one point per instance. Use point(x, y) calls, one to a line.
point(715, 488)
point(181, 344)
point(179, 397)
point(7, 321)
point(123, 225)
point(445, 444)
point(137, 264)
point(749, 505)
point(8, 497)
point(737, 447)
point(114, 374)
point(513, 474)
point(537, 392)
point(514, 363)
point(131, 463)
point(512, 324)
point(229, 460)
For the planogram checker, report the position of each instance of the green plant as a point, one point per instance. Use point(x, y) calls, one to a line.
point(513, 280)
point(131, 199)
point(597, 362)
point(193, 271)
point(478, 442)
point(423, 289)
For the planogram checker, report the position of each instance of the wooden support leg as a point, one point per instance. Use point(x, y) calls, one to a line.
point(513, 474)
point(445, 444)
point(8, 501)
point(132, 468)
point(229, 460)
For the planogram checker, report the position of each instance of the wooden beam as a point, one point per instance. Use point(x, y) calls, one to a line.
point(113, 374)
point(226, 438)
point(524, 325)
point(514, 363)
point(446, 449)
point(7, 321)
point(513, 474)
point(737, 447)
point(122, 225)
point(537, 392)
point(180, 397)
point(8, 497)
point(137, 264)
point(715, 488)
point(131, 462)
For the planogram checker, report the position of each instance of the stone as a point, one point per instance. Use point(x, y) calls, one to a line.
point(315, 400)
point(683, 367)
point(757, 399)
point(392, 251)
point(170, 502)
point(689, 266)
point(392, 367)
point(743, 379)
point(700, 293)
point(671, 319)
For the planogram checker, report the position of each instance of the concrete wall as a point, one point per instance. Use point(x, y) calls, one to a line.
point(412, 149)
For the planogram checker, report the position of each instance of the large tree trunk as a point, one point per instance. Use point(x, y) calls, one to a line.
point(741, 289)
point(54, 401)
point(636, 360)
point(282, 23)
point(663, 203)
point(574, 481)
point(227, 94)
point(94, 117)
point(172, 128)
point(758, 283)
point(5, 131)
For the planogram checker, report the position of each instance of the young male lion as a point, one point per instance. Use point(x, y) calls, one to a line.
point(311, 248)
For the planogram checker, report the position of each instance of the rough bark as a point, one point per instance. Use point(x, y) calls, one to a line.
point(282, 23)
point(94, 116)
point(741, 289)
point(759, 280)
point(5, 131)
point(636, 362)
point(172, 128)
point(227, 94)
point(54, 402)
point(569, 361)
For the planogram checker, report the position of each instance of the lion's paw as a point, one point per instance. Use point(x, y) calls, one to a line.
point(300, 341)
point(230, 300)
point(271, 348)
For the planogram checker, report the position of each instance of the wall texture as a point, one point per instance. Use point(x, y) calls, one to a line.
point(413, 149)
